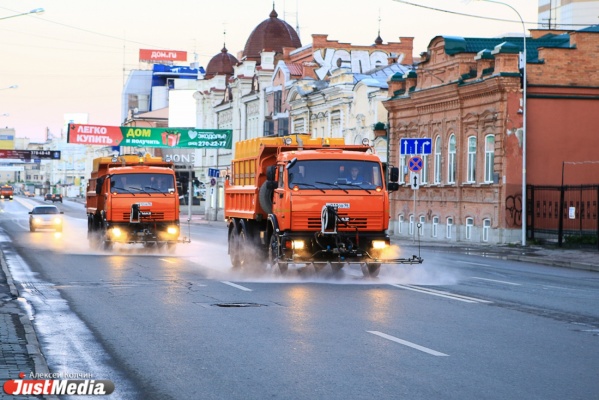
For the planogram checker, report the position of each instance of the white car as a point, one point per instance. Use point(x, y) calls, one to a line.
point(45, 217)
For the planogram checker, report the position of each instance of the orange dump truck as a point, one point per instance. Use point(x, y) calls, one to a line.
point(133, 199)
point(6, 192)
point(312, 202)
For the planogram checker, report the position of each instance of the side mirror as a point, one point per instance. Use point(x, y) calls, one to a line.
point(99, 183)
point(393, 174)
point(393, 186)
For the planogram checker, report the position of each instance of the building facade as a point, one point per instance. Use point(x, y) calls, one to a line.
point(466, 96)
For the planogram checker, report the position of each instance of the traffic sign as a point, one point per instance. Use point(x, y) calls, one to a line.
point(213, 172)
point(415, 146)
point(415, 180)
point(415, 164)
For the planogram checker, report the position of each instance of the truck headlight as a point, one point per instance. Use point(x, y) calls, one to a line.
point(116, 232)
point(379, 244)
point(172, 230)
point(298, 244)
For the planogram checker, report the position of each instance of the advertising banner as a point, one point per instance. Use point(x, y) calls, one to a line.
point(183, 138)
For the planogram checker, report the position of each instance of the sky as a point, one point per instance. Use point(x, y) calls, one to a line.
point(74, 58)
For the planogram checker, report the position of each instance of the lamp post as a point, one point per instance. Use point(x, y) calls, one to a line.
point(34, 11)
point(524, 216)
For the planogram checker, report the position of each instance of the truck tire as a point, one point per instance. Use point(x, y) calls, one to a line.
point(265, 197)
point(234, 253)
point(274, 255)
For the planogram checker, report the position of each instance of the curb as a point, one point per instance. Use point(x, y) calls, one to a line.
point(33, 346)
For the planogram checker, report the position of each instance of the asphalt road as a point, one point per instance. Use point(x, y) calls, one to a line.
point(185, 325)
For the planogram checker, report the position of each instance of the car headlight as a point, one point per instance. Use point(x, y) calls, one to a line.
point(57, 221)
point(37, 220)
point(379, 244)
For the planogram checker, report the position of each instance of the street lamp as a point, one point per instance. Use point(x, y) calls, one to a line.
point(10, 87)
point(524, 217)
point(34, 11)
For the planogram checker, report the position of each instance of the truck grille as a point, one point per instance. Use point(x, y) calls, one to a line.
point(362, 222)
point(156, 216)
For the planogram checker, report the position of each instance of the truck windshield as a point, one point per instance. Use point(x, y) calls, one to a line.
point(134, 183)
point(335, 174)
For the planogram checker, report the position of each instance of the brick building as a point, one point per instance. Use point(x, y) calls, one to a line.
point(466, 96)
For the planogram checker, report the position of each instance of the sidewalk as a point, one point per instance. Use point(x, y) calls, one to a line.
point(19, 348)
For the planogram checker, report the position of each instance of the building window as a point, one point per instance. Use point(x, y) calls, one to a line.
point(283, 126)
point(486, 229)
point(424, 170)
point(401, 221)
point(489, 157)
point(435, 227)
point(411, 226)
point(471, 175)
point(269, 128)
point(449, 226)
point(437, 178)
point(403, 167)
point(451, 160)
point(277, 101)
point(469, 225)
point(421, 225)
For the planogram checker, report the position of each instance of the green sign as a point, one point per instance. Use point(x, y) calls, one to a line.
point(177, 137)
point(134, 136)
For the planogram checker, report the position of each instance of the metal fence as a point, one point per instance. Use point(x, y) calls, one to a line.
point(556, 212)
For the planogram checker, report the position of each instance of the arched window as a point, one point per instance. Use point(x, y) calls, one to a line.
point(437, 172)
point(486, 229)
point(471, 173)
point(489, 157)
point(451, 160)
point(448, 228)
point(469, 225)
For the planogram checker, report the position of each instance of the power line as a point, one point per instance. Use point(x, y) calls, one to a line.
point(478, 16)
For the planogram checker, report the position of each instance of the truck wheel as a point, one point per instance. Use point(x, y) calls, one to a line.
point(370, 270)
point(265, 198)
point(274, 255)
point(234, 248)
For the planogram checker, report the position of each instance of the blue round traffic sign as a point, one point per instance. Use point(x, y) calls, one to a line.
point(415, 163)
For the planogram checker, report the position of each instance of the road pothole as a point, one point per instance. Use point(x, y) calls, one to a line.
point(239, 305)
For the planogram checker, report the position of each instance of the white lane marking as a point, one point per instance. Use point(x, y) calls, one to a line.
point(494, 280)
point(236, 286)
point(553, 287)
point(409, 344)
point(473, 263)
point(440, 293)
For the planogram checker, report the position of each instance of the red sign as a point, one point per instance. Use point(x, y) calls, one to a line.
point(162, 55)
point(94, 134)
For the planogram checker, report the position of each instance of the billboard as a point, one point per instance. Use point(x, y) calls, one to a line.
point(162, 55)
point(186, 138)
